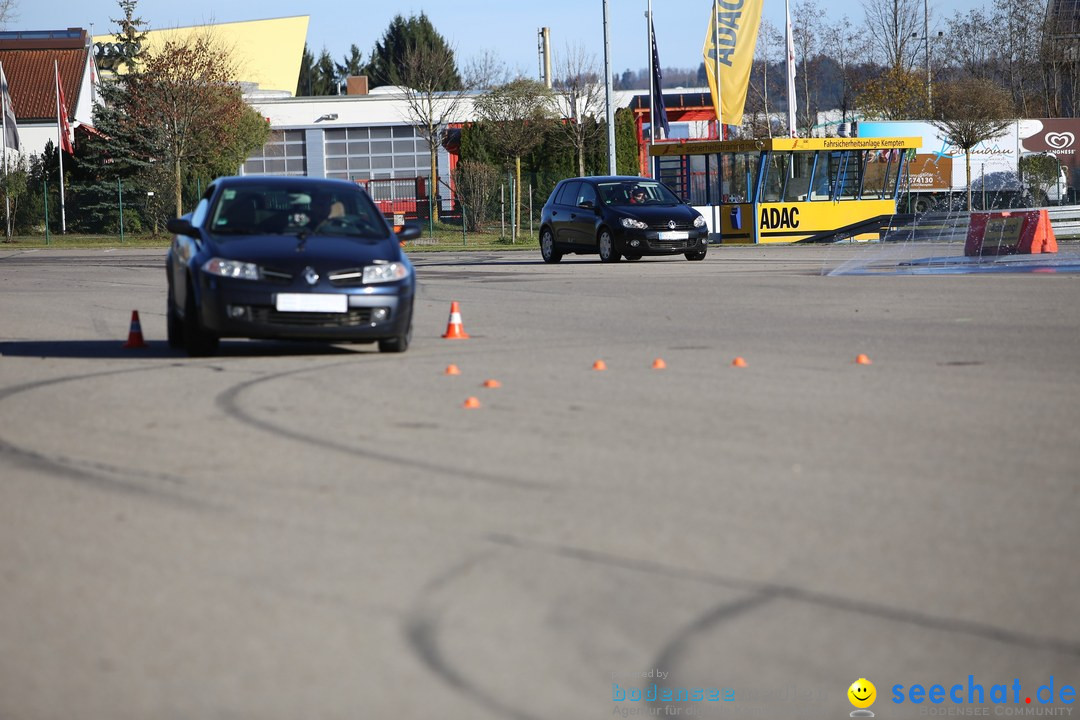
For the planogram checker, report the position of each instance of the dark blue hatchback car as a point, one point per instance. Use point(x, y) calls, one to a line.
point(618, 216)
point(290, 258)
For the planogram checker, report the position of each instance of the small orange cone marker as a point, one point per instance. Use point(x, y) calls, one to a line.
point(599, 365)
point(471, 404)
point(452, 369)
point(659, 364)
point(862, 359)
point(738, 362)
point(135, 338)
point(492, 384)
point(454, 330)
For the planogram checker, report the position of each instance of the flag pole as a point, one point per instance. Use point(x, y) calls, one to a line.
point(789, 50)
point(652, 77)
point(60, 147)
point(609, 109)
point(716, 58)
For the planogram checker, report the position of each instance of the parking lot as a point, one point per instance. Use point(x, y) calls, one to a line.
point(295, 530)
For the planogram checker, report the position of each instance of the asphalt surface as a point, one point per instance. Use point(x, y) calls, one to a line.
point(302, 531)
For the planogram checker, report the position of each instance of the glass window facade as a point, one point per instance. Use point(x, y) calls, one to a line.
point(285, 153)
point(367, 153)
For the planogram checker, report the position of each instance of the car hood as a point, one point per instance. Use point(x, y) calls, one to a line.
point(653, 214)
point(323, 250)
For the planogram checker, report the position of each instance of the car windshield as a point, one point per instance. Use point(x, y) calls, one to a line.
point(632, 192)
point(303, 209)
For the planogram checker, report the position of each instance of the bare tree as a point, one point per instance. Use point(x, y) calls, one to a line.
point(514, 116)
point(486, 71)
point(970, 43)
point(433, 93)
point(1061, 63)
point(9, 10)
point(578, 100)
point(894, 26)
point(851, 50)
point(770, 50)
point(805, 33)
point(477, 184)
point(970, 111)
point(1018, 27)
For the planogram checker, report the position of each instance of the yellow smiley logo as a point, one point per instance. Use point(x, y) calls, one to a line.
point(862, 693)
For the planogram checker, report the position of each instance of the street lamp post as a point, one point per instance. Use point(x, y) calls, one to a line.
point(926, 47)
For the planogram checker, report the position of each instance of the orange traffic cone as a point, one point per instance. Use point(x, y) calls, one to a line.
point(454, 330)
point(135, 338)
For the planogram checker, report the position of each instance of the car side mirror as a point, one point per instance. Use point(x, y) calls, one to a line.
point(587, 204)
point(181, 226)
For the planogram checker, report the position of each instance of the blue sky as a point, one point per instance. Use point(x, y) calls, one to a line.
point(506, 29)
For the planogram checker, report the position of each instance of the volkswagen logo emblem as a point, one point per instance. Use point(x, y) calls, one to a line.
point(310, 275)
point(671, 224)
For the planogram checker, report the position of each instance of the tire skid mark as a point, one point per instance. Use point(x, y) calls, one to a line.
point(670, 655)
point(773, 591)
point(421, 628)
point(103, 475)
point(230, 403)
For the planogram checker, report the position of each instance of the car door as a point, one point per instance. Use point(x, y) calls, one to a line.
point(584, 215)
point(562, 212)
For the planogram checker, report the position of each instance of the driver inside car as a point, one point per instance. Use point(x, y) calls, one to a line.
point(323, 210)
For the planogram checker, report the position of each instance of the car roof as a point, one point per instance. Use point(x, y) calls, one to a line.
point(239, 181)
point(612, 178)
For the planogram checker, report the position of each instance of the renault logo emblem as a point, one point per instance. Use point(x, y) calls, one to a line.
point(310, 275)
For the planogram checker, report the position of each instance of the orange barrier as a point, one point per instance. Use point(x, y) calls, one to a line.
point(1024, 232)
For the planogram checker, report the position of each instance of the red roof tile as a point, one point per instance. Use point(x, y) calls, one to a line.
point(30, 81)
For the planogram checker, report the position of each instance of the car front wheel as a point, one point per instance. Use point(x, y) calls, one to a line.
point(197, 341)
point(698, 255)
point(174, 326)
point(547, 247)
point(608, 252)
point(398, 343)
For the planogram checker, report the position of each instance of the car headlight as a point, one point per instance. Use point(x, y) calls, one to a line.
point(699, 221)
point(635, 224)
point(232, 269)
point(382, 272)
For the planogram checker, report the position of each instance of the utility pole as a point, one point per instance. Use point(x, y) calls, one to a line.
point(926, 39)
point(610, 112)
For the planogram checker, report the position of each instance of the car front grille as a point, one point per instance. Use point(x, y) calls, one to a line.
point(678, 226)
point(673, 244)
point(350, 277)
point(355, 317)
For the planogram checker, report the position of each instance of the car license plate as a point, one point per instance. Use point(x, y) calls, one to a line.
point(312, 302)
point(673, 235)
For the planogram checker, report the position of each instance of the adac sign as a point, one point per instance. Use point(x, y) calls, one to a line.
point(779, 218)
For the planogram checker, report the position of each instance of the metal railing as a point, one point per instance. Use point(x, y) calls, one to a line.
point(953, 227)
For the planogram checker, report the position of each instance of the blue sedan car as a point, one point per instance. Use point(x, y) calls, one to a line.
point(288, 258)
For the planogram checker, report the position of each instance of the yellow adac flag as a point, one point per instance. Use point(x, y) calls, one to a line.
point(733, 30)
